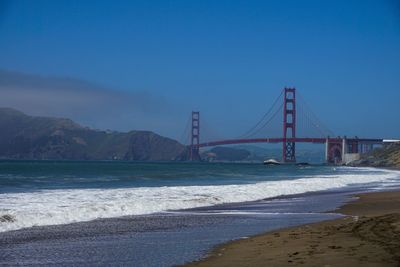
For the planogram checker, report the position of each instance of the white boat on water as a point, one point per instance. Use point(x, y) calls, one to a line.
point(271, 162)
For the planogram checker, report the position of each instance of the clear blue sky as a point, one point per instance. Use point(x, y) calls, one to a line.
point(229, 59)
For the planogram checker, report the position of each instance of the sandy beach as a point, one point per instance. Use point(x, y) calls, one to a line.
point(369, 236)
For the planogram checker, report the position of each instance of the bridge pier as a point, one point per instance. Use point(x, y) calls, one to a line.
point(351, 150)
point(341, 150)
point(334, 150)
point(344, 150)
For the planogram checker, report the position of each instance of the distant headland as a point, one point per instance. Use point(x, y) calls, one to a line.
point(28, 137)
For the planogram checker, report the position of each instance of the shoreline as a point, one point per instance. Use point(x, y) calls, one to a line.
point(176, 237)
point(369, 235)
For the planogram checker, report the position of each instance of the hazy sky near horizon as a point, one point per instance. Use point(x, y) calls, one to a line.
point(228, 59)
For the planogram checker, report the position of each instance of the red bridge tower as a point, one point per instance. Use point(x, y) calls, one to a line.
point(195, 137)
point(289, 125)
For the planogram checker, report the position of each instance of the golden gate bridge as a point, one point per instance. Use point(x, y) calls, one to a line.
point(337, 149)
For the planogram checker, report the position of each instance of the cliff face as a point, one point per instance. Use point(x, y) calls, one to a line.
point(387, 156)
point(28, 137)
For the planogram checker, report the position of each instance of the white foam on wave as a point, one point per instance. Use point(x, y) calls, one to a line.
point(52, 207)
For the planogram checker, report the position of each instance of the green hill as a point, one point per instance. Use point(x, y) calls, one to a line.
point(28, 137)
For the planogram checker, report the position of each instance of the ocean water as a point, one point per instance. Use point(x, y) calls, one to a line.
point(43, 193)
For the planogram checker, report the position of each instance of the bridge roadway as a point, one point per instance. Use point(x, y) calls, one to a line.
point(296, 140)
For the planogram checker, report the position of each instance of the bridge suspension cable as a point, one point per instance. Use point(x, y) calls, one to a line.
point(308, 124)
point(254, 128)
point(268, 121)
point(210, 133)
point(312, 118)
point(185, 136)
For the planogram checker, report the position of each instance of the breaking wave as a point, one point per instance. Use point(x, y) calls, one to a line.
point(63, 206)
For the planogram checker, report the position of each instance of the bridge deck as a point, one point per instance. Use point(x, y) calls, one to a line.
point(296, 140)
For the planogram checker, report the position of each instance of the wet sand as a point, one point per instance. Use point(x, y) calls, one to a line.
point(369, 236)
